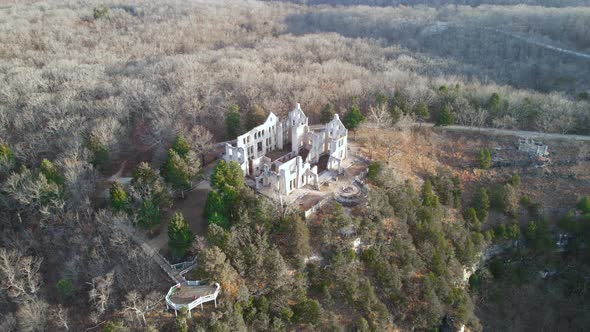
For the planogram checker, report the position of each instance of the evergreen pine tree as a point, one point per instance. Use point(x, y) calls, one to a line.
point(7, 160)
point(421, 112)
point(149, 215)
point(119, 198)
point(481, 203)
point(399, 101)
point(214, 204)
point(181, 145)
point(445, 118)
point(50, 171)
point(233, 122)
point(472, 219)
point(100, 154)
point(179, 171)
point(428, 197)
point(353, 118)
point(180, 237)
point(484, 159)
point(219, 220)
point(494, 104)
point(300, 237)
point(327, 113)
point(395, 114)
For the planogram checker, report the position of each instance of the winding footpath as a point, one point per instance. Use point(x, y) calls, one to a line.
point(174, 274)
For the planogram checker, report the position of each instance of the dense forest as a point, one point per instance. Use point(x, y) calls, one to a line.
point(93, 89)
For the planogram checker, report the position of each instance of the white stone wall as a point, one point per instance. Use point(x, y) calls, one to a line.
point(256, 143)
point(236, 154)
point(338, 142)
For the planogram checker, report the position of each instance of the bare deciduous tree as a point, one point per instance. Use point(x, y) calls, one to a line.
point(380, 114)
point(137, 306)
point(100, 294)
point(60, 318)
point(472, 117)
point(20, 274)
point(33, 315)
point(8, 323)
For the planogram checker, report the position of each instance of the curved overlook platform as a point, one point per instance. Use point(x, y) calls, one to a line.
point(191, 294)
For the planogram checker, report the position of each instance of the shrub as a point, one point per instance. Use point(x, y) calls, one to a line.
point(111, 326)
point(6, 152)
point(50, 171)
point(65, 289)
point(514, 180)
point(7, 159)
point(100, 12)
point(584, 204)
point(374, 171)
point(525, 200)
point(484, 159)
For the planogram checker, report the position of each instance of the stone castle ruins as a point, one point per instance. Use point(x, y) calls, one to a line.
point(288, 155)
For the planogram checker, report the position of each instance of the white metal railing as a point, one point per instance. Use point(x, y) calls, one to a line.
point(195, 303)
point(183, 265)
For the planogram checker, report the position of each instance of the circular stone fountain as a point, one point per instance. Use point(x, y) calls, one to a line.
point(349, 195)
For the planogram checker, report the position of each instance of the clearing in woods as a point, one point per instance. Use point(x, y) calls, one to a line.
point(414, 153)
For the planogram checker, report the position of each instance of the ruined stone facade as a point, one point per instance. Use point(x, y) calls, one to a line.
point(287, 155)
point(532, 147)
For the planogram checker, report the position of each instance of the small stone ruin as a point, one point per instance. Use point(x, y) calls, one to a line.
point(532, 147)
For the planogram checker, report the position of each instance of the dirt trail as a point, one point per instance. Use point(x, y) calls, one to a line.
point(519, 133)
point(496, 131)
point(539, 43)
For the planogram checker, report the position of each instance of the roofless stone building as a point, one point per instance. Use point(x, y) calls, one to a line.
point(288, 155)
